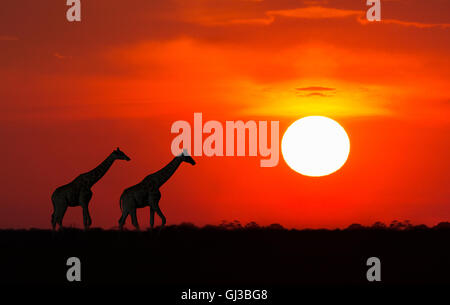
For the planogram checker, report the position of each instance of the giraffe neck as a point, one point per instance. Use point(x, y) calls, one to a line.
point(97, 173)
point(167, 171)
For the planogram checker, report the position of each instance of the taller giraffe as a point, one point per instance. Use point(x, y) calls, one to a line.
point(146, 193)
point(78, 192)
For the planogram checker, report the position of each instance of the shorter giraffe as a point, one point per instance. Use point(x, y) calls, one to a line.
point(146, 193)
point(78, 192)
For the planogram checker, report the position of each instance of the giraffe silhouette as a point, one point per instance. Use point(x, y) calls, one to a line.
point(146, 193)
point(78, 192)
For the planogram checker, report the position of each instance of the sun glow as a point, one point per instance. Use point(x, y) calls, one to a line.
point(315, 146)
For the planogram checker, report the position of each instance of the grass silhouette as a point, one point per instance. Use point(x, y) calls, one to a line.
point(230, 253)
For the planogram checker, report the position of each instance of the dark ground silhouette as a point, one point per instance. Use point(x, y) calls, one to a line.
point(230, 254)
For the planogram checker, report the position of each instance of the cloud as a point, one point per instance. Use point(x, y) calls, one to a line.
point(316, 12)
point(321, 12)
point(315, 94)
point(315, 89)
point(59, 56)
point(419, 25)
point(310, 12)
point(173, 60)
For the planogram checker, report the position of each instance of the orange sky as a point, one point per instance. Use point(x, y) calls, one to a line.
point(71, 92)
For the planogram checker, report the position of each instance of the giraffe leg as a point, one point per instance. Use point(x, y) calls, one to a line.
point(160, 214)
point(86, 217)
point(53, 217)
point(134, 220)
point(85, 197)
point(59, 206)
point(59, 214)
point(152, 217)
point(127, 206)
point(122, 219)
point(153, 200)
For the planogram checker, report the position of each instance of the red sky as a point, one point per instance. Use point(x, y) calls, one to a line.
point(72, 92)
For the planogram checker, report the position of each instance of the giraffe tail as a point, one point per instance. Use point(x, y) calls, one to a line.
point(54, 208)
point(121, 203)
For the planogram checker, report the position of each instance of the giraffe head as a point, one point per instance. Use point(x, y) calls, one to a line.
point(119, 155)
point(185, 157)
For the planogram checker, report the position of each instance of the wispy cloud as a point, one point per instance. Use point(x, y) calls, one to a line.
point(322, 12)
point(316, 12)
point(59, 56)
point(315, 89)
point(419, 25)
point(316, 94)
point(310, 12)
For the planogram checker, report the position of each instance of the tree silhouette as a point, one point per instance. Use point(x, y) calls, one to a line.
point(355, 226)
point(379, 225)
point(276, 226)
point(252, 225)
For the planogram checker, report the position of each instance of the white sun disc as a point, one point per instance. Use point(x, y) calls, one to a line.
point(315, 146)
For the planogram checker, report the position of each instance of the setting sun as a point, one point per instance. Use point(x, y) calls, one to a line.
point(315, 146)
point(129, 71)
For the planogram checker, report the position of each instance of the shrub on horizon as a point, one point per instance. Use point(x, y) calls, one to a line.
point(379, 225)
point(252, 225)
point(355, 226)
point(275, 226)
point(442, 225)
point(233, 225)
